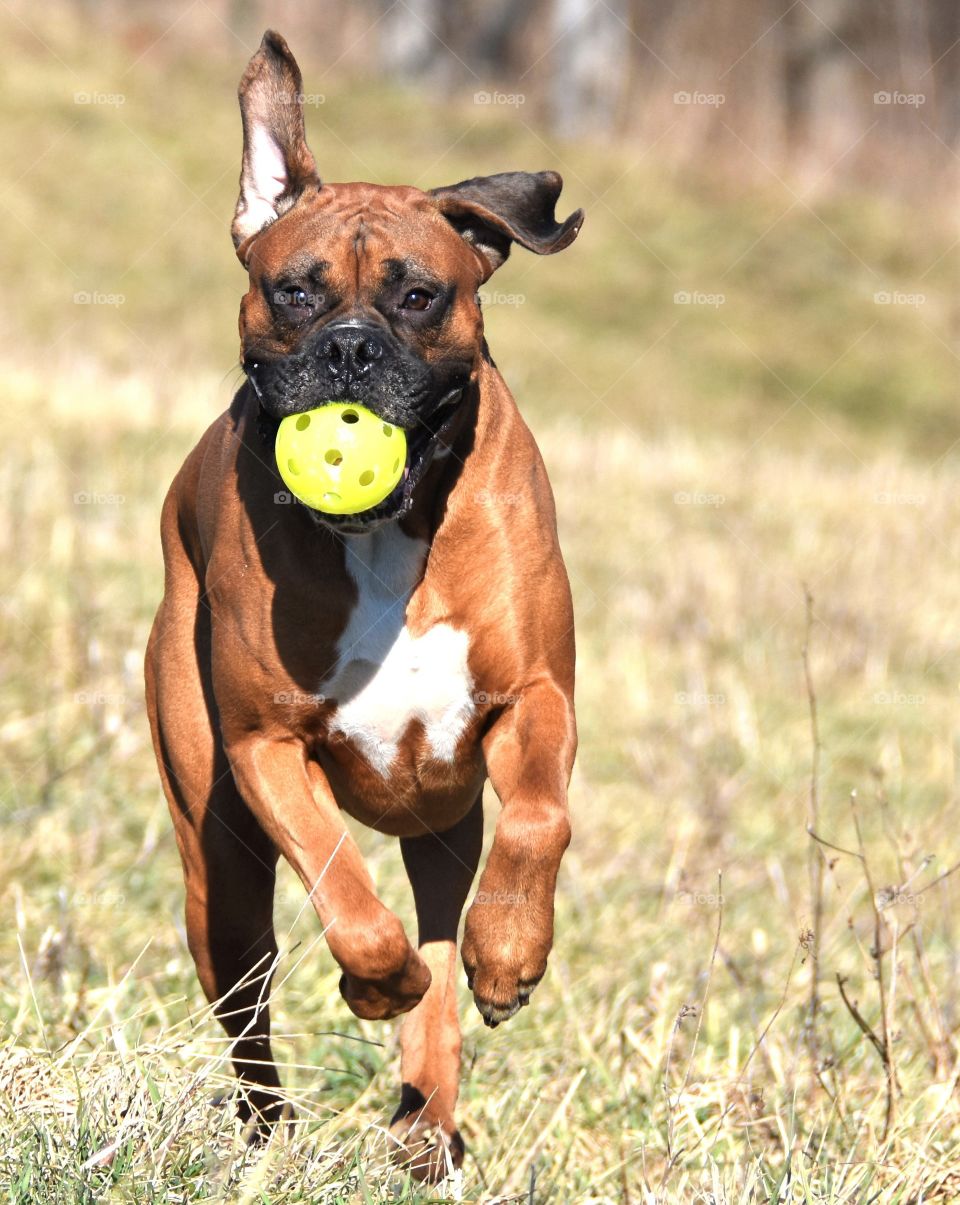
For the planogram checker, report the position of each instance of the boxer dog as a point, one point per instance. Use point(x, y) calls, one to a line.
point(384, 664)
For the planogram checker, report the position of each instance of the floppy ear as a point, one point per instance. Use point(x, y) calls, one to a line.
point(277, 163)
point(491, 212)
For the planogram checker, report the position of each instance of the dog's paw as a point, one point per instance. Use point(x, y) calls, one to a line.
point(494, 1011)
point(501, 973)
point(424, 1147)
point(498, 1001)
point(380, 999)
point(383, 975)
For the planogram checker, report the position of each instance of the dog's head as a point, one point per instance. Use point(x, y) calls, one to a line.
point(366, 293)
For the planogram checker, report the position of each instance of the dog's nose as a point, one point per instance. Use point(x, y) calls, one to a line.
point(349, 351)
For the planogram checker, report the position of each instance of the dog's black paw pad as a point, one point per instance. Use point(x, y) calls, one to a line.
point(494, 1014)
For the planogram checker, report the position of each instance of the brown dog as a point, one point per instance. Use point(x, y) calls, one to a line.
point(383, 664)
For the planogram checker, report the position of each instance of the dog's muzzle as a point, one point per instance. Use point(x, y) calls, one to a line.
point(361, 362)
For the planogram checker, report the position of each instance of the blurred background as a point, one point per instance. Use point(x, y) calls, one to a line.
point(798, 160)
point(744, 379)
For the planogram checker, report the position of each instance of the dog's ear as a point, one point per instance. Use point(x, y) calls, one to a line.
point(277, 163)
point(491, 212)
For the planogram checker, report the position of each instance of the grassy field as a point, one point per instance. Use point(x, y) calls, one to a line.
point(790, 427)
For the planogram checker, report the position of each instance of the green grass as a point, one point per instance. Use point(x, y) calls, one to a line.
point(695, 495)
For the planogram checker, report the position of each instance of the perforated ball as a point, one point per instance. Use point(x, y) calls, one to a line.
point(340, 458)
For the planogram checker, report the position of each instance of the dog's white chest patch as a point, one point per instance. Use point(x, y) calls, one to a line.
point(385, 678)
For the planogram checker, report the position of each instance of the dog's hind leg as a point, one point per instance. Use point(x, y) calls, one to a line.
point(229, 869)
point(441, 868)
point(228, 862)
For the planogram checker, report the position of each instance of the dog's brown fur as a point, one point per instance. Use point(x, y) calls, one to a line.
point(256, 599)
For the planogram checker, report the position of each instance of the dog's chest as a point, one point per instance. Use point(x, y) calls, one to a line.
point(385, 679)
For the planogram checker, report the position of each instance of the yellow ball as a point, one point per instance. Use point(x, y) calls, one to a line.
point(340, 458)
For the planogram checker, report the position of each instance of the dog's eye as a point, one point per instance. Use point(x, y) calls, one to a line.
point(417, 299)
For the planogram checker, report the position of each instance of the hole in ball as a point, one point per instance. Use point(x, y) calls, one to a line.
point(387, 429)
point(350, 416)
point(303, 422)
point(330, 498)
point(396, 464)
point(366, 477)
point(334, 456)
point(293, 467)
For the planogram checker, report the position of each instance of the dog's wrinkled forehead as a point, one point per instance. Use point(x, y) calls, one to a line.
point(360, 233)
point(316, 250)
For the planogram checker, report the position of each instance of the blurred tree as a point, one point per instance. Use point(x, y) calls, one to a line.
point(588, 59)
point(832, 89)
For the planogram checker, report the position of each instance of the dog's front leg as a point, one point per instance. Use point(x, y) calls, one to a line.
point(290, 796)
point(509, 930)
